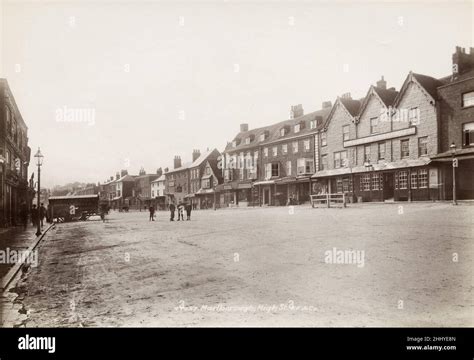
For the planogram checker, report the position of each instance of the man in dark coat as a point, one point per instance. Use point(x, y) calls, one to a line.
point(42, 214)
point(172, 210)
point(151, 209)
point(34, 215)
point(188, 207)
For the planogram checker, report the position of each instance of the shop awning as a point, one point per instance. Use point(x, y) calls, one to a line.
point(188, 196)
point(205, 191)
point(285, 180)
point(226, 186)
point(207, 176)
point(245, 186)
point(116, 198)
point(264, 182)
point(381, 166)
point(461, 154)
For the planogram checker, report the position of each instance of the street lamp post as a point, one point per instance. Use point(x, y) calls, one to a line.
point(454, 165)
point(39, 162)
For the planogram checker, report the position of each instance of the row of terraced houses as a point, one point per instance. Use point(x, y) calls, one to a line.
point(391, 145)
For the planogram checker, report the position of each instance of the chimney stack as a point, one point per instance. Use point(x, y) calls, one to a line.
point(346, 96)
point(327, 104)
point(462, 61)
point(117, 176)
point(244, 127)
point(177, 162)
point(166, 170)
point(159, 172)
point(123, 173)
point(382, 84)
point(296, 111)
point(196, 154)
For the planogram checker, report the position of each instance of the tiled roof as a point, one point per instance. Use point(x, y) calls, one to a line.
point(161, 178)
point(388, 96)
point(274, 130)
point(202, 158)
point(429, 83)
point(351, 105)
point(185, 166)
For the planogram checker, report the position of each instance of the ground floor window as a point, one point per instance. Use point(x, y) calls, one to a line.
point(375, 181)
point(339, 187)
point(402, 180)
point(423, 178)
point(413, 179)
point(365, 182)
point(347, 185)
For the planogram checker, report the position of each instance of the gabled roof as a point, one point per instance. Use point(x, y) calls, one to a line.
point(387, 97)
point(203, 157)
point(350, 105)
point(429, 83)
point(126, 178)
point(161, 178)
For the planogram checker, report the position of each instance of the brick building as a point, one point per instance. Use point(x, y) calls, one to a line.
point(380, 150)
point(142, 189)
point(288, 159)
point(14, 158)
point(158, 187)
point(177, 181)
point(239, 164)
point(202, 168)
point(456, 97)
point(270, 165)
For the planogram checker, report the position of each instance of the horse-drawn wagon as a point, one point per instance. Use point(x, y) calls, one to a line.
point(74, 207)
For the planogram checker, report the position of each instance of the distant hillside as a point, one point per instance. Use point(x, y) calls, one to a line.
point(61, 190)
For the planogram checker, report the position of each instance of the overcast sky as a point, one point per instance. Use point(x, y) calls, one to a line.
point(157, 79)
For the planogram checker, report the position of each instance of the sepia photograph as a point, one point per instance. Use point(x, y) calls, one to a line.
point(236, 164)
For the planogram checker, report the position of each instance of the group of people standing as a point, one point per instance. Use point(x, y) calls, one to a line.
point(173, 208)
point(37, 214)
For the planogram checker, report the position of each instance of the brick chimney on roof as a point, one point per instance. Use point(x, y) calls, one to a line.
point(296, 111)
point(177, 162)
point(196, 154)
point(462, 61)
point(244, 127)
point(326, 104)
point(382, 84)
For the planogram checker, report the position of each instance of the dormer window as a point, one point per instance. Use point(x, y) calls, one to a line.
point(284, 130)
point(312, 124)
point(236, 142)
point(297, 128)
point(264, 135)
point(249, 139)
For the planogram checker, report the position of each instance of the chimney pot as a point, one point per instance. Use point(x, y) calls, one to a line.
point(382, 84)
point(177, 162)
point(196, 154)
